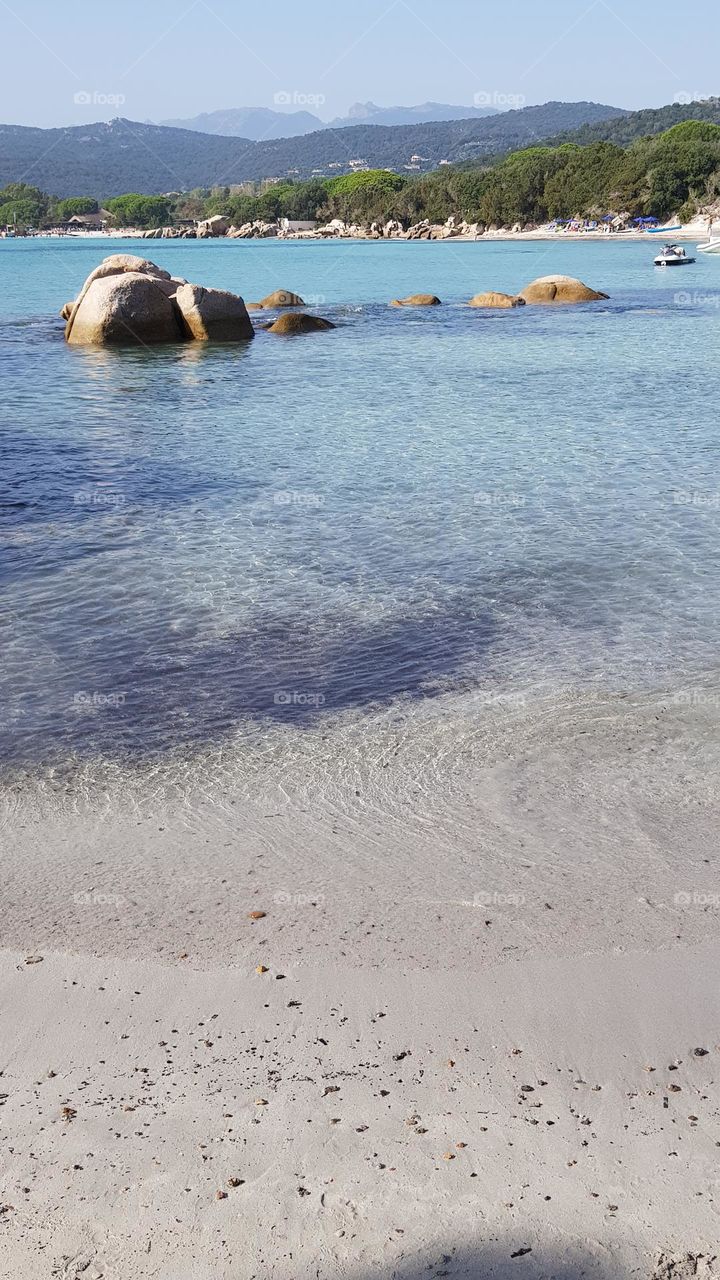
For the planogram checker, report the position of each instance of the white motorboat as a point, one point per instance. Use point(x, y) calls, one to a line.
point(673, 255)
point(710, 246)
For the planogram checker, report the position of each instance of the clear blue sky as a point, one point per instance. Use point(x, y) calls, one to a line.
point(158, 59)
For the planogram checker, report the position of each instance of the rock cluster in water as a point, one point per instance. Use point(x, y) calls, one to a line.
point(546, 289)
point(128, 300)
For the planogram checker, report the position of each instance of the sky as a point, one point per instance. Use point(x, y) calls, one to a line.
point(85, 60)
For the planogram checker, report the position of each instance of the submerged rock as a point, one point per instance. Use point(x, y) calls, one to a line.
point(496, 300)
point(298, 322)
point(559, 289)
point(417, 300)
point(273, 301)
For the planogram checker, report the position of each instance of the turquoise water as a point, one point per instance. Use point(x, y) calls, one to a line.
point(203, 541)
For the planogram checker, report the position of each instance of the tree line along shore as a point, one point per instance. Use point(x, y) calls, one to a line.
point(675, 173)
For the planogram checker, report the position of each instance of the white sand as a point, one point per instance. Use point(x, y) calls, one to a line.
point(442, 887)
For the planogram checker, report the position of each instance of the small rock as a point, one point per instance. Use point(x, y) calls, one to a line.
point(256, 915)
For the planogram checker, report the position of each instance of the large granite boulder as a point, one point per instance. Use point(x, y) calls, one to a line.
point(560, 289)
point(128, 299)
point(125, 308)
point(493, 299)
point(116, 263)
point(298, 322)
point(417, 300)
point(210, 228)
point(213, 315)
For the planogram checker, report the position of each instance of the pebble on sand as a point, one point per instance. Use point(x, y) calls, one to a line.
point(256, 915)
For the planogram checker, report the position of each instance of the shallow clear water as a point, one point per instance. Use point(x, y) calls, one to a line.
point(199, 540)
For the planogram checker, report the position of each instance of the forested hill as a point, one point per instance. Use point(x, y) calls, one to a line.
point(626, 129)
point(392, 146)
point(103, 160)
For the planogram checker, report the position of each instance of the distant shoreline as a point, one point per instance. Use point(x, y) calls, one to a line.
point(690, 232)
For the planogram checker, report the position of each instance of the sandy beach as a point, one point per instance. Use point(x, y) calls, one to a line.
point(697, 230)
point(473, 1030)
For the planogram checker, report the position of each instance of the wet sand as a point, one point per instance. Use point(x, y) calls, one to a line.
point(472, 1030)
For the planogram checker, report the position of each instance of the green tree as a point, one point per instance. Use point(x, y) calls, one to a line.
point(135, 210)
point(72, 206)
point(23, 205)
point(371, 194)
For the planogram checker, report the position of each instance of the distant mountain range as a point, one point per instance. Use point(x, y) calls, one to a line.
point(369, 113)
point(256, 123)
point(104, 160)
point(261, 123)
